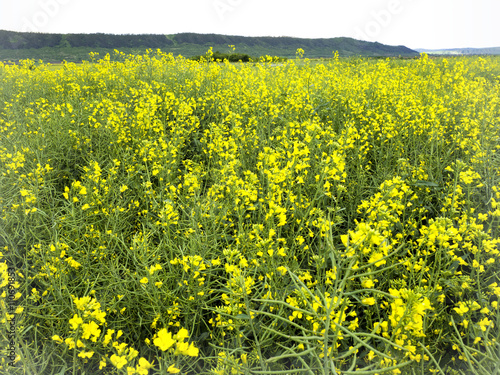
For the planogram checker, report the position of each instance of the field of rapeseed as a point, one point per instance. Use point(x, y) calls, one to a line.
point(161, 215)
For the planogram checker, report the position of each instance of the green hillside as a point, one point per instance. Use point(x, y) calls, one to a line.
point(75, 47)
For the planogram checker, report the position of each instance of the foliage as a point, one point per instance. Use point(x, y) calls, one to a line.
point(231, 57)
point(162, 215)
point(29, 40)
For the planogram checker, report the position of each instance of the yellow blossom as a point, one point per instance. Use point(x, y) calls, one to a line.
point(164, 340)
point(173, 370)
point(368, 301)
point(75, 321)
point(118, 361)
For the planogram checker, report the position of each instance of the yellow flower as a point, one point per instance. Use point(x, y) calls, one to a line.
point(144, 280)
point(82, 302)
point(75, 321)
point(102, 364)
point(461, 309)
point(485, 310)
point(368, 301)
point(182, 334)
point(99, 315)
point(120, 348)
point(73, 263)
point(368, 283)
point(482, 217)
point(57, 338)
point(91, 329)
point(143, 366)
point(173, 370)
point(70, 342)
point(181, 348)
point(376, 257)
point(109, 335)
point(85, 354)
point(154, 268)
point(216, 262)
point(192, 351)
point(485, 323)
point(164, 340)
point(118, 361)
point(132, 353)
point(143, 362)
point(282, 270)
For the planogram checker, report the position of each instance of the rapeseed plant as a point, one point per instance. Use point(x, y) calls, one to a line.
point(163, 215)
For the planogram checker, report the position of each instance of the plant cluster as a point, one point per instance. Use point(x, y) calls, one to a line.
point(164, 215)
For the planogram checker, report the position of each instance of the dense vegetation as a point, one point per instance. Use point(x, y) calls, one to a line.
point(75, 47)
point(17, 40)
point(218, 56)
point(165, 215)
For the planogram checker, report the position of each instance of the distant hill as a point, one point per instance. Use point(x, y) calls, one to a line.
point(17, 40)
point(71, 47)
point(462, 51)
point(287, 46)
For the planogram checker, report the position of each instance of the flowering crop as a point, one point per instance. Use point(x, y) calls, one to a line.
point(166, 215)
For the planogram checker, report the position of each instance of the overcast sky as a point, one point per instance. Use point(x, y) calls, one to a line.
point(413, 23)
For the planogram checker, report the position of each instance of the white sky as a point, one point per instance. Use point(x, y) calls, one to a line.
point(413, 23)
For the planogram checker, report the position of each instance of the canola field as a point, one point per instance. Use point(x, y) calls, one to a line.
point(161, 215)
